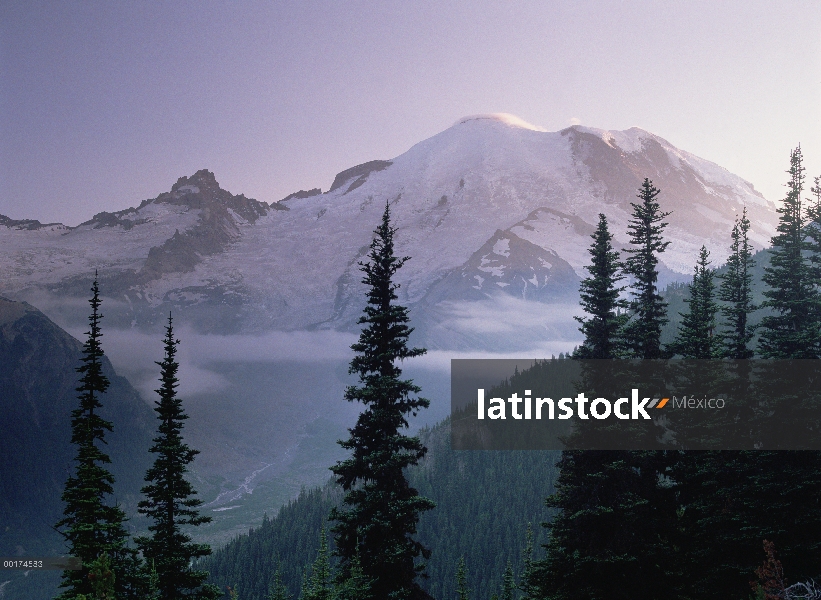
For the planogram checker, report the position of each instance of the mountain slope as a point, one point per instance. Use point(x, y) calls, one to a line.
point(484, 501)
point(37, 394)
point(229, 263)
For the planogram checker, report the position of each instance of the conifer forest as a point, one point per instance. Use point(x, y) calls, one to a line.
point(407, 517)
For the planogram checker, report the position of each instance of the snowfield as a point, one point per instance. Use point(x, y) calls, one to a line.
point(449, 196)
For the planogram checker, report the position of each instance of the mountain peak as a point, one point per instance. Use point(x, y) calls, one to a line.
point(504, 118)
point(202, 178)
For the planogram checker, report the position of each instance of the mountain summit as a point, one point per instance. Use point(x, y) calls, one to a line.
point(491, 206)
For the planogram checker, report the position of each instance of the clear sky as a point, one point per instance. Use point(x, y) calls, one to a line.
point(105, 104)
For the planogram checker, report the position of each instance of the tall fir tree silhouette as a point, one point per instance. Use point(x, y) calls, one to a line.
point(648, 308)
point(380, 511)
point(813, 232)
point(170, 499)
point(736, 292)
point(90, 525)
point(793, 330)
point(697, 333)
point(600, 299)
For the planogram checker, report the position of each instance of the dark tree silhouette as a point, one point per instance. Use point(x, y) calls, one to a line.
point(697, 333)
point(736, 291)
point(600, 299)
point(381, 511)
point(649, 309)
point(90, 525)
point(793, 331)
point(170, 499)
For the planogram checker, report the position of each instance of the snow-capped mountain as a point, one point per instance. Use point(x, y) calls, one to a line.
point(489, 206)
point(495, 214)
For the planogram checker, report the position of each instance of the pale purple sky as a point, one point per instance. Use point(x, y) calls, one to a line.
point(105, 104)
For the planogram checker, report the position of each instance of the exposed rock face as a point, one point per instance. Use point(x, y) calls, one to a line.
point(202, 191)
point(171, 233)
point(301, 194)
point(359, 174)
point(29, 224)
point(701, 204)
point(220, 212)
point(507, 264)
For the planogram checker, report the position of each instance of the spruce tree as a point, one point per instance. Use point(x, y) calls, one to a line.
point(696, 334)
point(462, 589)
point(793, 330)
point(380, 510)
point(525, 585)
point(648, 308)
point(318, 586)
point(732, 501)
point(170, 500)
point(612, 536)
point(736, 292)
point(278, 591)
point(508, 583)
point(102, 578)
point(615, 524)
point(600, 298)
point(813, 231)
point(90, 525)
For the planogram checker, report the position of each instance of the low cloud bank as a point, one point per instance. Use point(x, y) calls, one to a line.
point(503, 327)
point(133, 354)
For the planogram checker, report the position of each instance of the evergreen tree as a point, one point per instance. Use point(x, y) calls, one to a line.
point(732, 501)
point(793, 331)
point(356, 586)
point(615, 525)
point(278, 591)
point(600, 299)
point(153, 583)
point(462, 589)
point(102, 578)
point(813, 231)
point(319, 585)
point(736, 291)
point(696, 334)
point(508, 583)
point(90, 526)
point(381, 511)
point(525, 585)
point(170, 501)
point(613, 534)
point(648, 308)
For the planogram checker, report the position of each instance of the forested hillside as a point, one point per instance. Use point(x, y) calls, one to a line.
point(484, 501)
